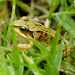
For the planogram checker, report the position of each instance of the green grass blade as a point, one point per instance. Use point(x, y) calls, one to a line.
point(63, 13)
point(17, 59)
point(71, 12)
point(6, 70)
point(4, 29)
point(53, 4)
point(71, 6)
point(11, 19)
point(13, 36)
point(32, 65)
point(68, 66)
point(25, 7)
point(40, 46)
point(51, 68)
point(66, 26)
point(58, 56)
point(65, 4)
point(34, 55)
point(4, 39)
point(3, 71)
point(69, 46)
point(43, 10)
point(4, 32)
point(54, 45)
point(21, 67)
point(5, 48)
point(70, 22)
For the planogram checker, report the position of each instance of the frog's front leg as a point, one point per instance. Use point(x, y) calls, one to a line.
point(25, 46)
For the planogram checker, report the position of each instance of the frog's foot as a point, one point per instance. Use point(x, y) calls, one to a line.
point(25, 46)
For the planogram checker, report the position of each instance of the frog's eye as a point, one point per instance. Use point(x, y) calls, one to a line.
point(23, 28)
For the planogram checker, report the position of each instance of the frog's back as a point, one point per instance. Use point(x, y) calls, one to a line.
point(33, 25)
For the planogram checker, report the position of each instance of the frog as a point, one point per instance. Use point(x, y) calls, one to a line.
point(25, 26)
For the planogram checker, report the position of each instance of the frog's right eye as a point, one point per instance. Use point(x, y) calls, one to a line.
point(22, 28)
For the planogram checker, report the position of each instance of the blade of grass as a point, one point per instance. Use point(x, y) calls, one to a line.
point(65, 4)
point(39, 45)
point(71, 1)
point(13, 36)
point(74, 51)
point(34, 55)
point(71, 12)
point(53, 4)
point(42, 57)
point(4, 63)
point(69, 49)
point(3, 71)
point(70, 21)
point(65, 25)
point(5, 48)
point(21, 67)
point(4, 39)
point(54, 44)
point(43, 10)
point(67, 65)
point(51, 68)
point(25, 7)
point(4, 29)
point(32, 65)
point(17, 58)
point(71, 6)
point(11, 19)
point(4, 32)
point(58, 56)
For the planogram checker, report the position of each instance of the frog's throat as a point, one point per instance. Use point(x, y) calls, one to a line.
point(21, 34)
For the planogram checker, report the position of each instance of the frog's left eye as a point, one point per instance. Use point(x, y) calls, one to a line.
point(23, 28)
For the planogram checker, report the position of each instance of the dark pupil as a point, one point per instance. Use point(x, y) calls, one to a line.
point(22, 29)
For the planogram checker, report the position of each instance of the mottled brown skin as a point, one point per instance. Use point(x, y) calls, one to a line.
point(25, 27)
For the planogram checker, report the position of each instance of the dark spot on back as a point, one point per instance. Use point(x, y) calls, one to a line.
point(51, 37)
point(46, 31)
point(45, 39)
point(40, 32)
point(45, 34)
point(40, 25)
